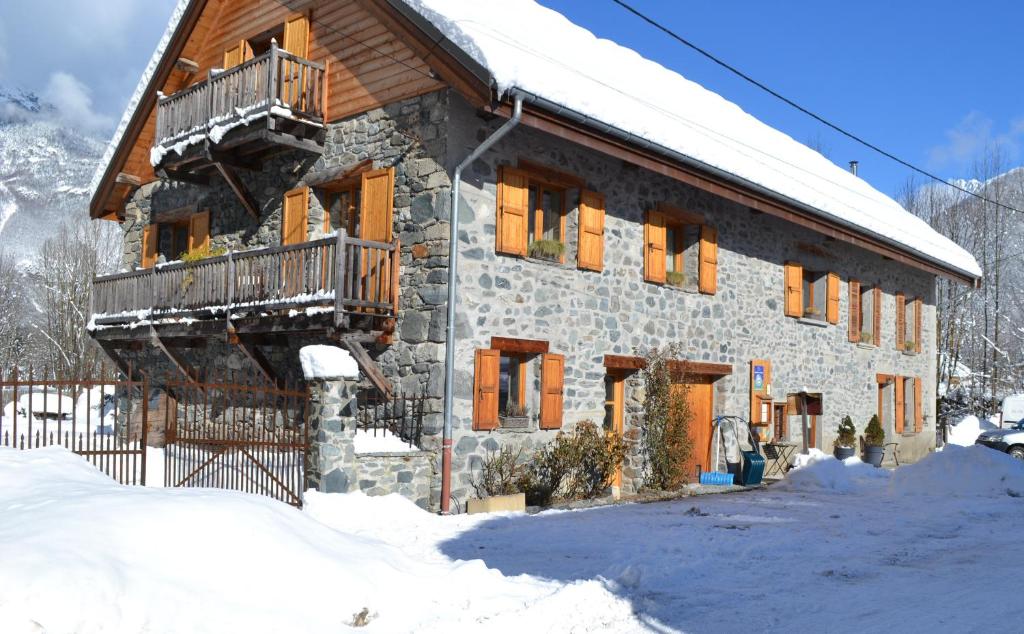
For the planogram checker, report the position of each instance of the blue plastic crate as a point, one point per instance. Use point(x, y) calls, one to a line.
point(713, 477)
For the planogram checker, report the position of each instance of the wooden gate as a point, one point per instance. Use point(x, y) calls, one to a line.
point(249, 437)
point(102, 418)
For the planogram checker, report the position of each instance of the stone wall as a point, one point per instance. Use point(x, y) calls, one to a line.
point(585, 315)
point(334, 465)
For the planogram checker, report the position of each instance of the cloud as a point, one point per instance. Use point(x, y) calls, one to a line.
point(73, 101)
point(972, 136)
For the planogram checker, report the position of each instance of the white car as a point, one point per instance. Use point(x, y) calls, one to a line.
point(1009, 440)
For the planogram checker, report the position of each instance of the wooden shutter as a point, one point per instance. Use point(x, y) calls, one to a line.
point(590, 253)
point(855, 311)
point(149, 246)
point(901, 318)
point(917, 325)
point(296, 36)
point(832, 298)
point(552, 379)
point(918, 406)
point(654, 247)
point(513, 213)
point(237, 54)
point(708, 273)
point(485, 389)
point(294, 216)
point(199, 232)
point(900, 404)
point(378, 192)
point(794, 298)
point(876, 324)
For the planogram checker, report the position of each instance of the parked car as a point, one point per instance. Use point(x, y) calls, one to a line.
point(1009, 439)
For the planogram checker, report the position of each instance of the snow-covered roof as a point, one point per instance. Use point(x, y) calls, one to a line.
point(531, 48)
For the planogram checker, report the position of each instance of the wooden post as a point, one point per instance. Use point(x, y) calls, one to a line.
point(231, 288)
point(396, 257)
point(339, 276)
point(145, 425)
point(323, 90)
point(272, 79)
point(803, 418)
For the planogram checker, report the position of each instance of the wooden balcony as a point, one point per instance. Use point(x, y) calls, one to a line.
point(354, 281)
point(241, 115)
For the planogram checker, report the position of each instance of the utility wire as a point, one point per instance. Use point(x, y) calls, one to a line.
point(807, 112)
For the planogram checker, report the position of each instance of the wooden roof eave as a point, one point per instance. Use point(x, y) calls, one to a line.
point(97, 206)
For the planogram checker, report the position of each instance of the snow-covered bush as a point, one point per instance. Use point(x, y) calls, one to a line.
point(847, 433)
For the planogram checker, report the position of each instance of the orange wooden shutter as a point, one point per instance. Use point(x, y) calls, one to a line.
point(708, 273)
point(149, 246)
point(794, 299)
point(591, 244)
point(485, 389)
point(918, 406)
point(832, 296)
point(296, 36)
point(855, 311)
point(917, 325)
point(552, 379)
point(513, 211)
point(294, 218)
point(378, 192)
point(876, 324)
point(901, 318)
point(900, 404)
point(237, 54)
point(654, 247)
point(199, 232)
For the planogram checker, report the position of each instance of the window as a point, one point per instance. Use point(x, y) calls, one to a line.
point(795, 406)
point(810, 294)
point(174, 238)
point(680, 250)
point(341, 207)
point(908, 323)
point(900, 404)
point(614, 390)
point(908, 402)
point(500, 396)
point(512, 386)
point(260, 44)
point(865, 313)
point(531, 213)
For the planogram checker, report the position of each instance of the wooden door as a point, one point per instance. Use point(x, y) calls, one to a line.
point(294, 230)
point(701, 401)
point(375, 224)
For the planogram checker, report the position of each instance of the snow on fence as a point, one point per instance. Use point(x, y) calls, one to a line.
point(102, 419)
point(364, 277)
point(276, 82)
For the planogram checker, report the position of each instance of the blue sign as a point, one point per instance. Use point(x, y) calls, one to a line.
point(758, 377)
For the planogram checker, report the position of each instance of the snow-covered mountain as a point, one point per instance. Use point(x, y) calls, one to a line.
point(45, 169)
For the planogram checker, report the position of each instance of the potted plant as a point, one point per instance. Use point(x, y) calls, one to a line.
point(909, 346)
point(866, 337)
point(497, 482)
point(675, 278)
point(551, 250)
point(811, 311)
point(874, 442)
point(844, 445)
point(515, 416)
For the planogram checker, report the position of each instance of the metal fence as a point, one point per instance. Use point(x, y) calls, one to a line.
point(401, 416)
point(103, 419)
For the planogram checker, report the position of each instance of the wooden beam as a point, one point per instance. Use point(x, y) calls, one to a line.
point(523, 346)
point(186, 177)
point(186, 65)
point(174, 358)
point(676, 366)
point(255, 355)
point(228, 158)
point(124, 178)
point(115, 356)
point(367, 365)
point(620, 362)
point(240, 190)
point(552, 175)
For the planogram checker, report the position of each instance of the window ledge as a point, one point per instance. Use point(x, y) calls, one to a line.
point(820, 323)
point(681, 289)
point(545, 262)
point(867, 346)
point(910, 353)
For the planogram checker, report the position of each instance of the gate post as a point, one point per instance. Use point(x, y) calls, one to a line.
point(332, 428)
point(145, 426)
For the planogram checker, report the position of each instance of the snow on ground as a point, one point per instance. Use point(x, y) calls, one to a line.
point(836, 547)
point(380, 441)
point(967, 431)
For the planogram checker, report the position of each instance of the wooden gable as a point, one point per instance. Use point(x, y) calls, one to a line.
point(372, 61)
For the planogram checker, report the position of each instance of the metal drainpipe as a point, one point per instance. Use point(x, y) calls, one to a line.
point(453, 259)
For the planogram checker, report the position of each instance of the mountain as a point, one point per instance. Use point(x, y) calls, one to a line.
point(45, 169)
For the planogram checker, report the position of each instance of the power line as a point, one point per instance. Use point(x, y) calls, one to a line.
point(807, 112)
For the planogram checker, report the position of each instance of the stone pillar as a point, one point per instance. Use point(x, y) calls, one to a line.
point(332, 464)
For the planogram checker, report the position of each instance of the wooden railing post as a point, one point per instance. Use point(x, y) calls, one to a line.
point(339, 276)
point(396, 263)
point(272, 77)
point(153, 293)
point(230, 286)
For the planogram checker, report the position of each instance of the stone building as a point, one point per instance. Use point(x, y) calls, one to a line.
point(308, 186)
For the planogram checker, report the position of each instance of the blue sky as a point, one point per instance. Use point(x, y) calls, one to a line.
point(933, 82)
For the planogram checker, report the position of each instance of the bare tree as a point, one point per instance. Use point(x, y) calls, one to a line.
point(13, 305)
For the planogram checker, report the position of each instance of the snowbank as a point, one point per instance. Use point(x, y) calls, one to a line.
point(975, 471)
point(537, 50)
point(819, 471)
point(327, 362)
point(967, 431)
point(83, 554)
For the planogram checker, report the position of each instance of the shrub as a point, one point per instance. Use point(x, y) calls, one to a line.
point(675, 278)
point(196, 255)
point(866, 337)
point(547, 249)
point(574, 466)
point(500, 472)
point(847, 433)
point(909, 346)
point(874, 435)
point(665, 438)
point(515, 410)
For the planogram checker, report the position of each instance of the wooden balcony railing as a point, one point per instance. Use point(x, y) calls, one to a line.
point(276, 83)
point(352, 275)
